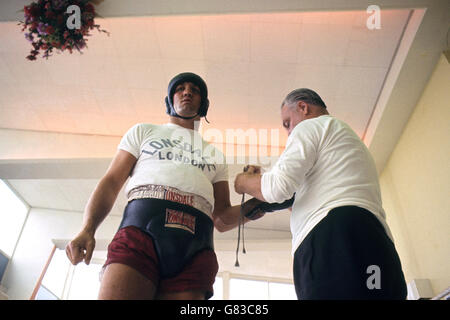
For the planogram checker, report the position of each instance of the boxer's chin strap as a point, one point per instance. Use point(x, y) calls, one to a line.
point(241, 222)
point(186, 118)
point(175, 114)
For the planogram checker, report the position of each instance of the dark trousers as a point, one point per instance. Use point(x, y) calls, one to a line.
point(348, 255)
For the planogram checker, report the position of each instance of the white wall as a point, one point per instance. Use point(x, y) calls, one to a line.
point(34, 246)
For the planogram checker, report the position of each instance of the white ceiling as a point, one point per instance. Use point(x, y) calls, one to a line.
point(250, 61)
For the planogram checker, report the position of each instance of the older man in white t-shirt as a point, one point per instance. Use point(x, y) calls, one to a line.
point(342, 246)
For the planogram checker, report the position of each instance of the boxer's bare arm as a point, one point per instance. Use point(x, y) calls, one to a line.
point(105, 194)
point(99, 205)
point(225, 216)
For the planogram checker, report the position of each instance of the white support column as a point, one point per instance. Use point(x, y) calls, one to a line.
point(226, 285)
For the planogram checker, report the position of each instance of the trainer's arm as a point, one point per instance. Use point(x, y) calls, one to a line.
point(287, 174)
point(99, 205)
point(225, 216)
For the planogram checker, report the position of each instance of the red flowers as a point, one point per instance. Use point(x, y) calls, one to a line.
point(49, 14)
point(50, 30)
point(89, 8)
point(32, 10)
point(47, 26)
point(60, 20)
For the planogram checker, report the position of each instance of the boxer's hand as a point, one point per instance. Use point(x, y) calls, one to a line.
point(254, 209)
point(81, 248)
point(251, 209)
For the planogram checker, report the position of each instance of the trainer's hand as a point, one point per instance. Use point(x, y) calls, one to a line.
point(242, 182)
point(252, 169)
point(81, 248)
point(239, 181)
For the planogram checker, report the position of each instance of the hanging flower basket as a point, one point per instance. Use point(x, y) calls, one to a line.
point(60, 25)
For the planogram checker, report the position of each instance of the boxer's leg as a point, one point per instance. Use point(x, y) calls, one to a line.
point(131, 267)
point(121, 282)
point(194, 282)
point(185, 295)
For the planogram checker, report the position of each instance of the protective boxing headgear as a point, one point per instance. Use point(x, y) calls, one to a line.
point(187, 77)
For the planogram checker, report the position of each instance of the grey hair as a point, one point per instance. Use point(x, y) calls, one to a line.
point(305, 95)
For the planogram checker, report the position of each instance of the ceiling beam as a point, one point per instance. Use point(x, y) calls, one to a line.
point(119, 8)
point(54, 168)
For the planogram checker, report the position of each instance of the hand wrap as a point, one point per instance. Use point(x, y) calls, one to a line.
point(254, 209)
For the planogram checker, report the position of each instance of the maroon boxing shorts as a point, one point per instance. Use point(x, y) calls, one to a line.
point(136, 249)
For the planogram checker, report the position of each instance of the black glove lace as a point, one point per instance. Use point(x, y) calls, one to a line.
point(241, 222)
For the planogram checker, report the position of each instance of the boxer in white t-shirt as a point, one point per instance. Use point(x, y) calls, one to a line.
point(177, 192)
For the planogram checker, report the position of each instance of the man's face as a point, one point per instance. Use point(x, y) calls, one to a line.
point(291, 115)
point(187, 99)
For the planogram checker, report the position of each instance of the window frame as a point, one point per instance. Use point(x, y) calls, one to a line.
point(28, 209)
point(227, 276)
